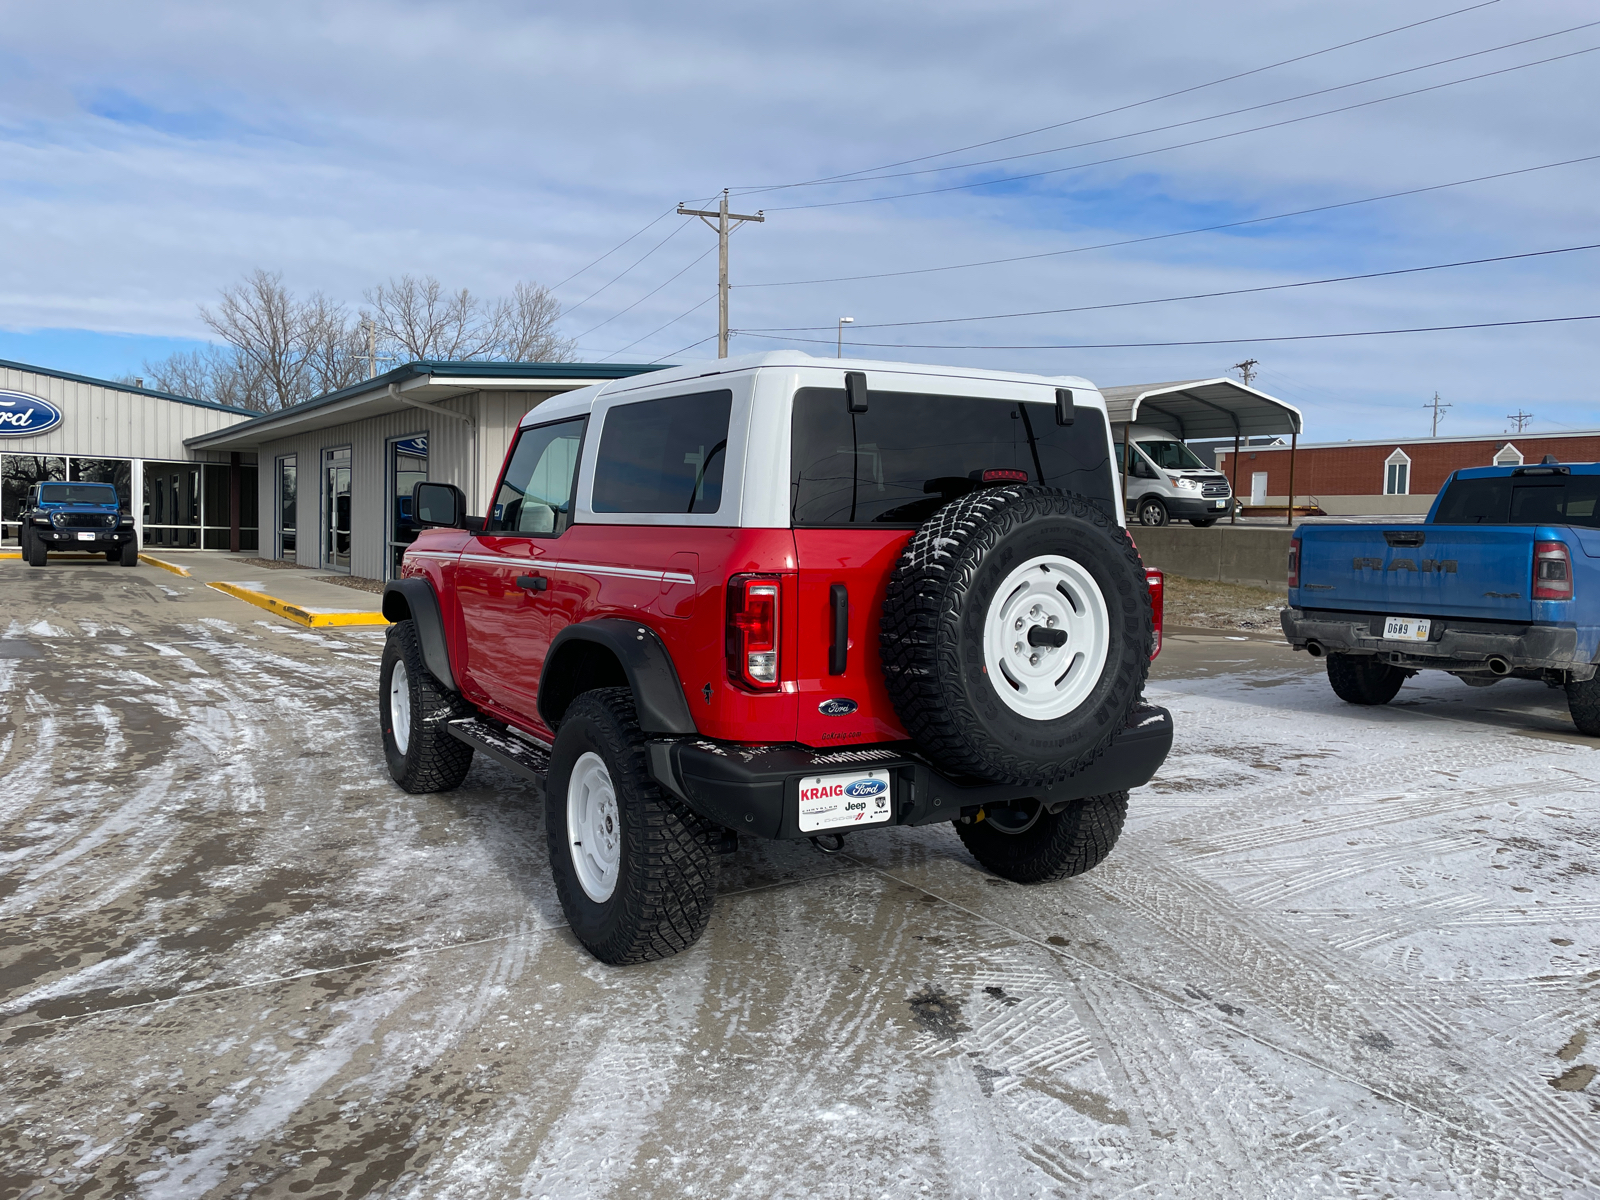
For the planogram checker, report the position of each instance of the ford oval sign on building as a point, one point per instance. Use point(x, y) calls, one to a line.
point(22, 415)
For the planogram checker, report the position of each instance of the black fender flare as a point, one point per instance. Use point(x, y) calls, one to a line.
point(414, 600)
point(657, 693)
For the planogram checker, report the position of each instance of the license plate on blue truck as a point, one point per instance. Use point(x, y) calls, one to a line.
point(1406, 629)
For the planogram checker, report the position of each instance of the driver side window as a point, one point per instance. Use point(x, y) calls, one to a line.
point(535, 497)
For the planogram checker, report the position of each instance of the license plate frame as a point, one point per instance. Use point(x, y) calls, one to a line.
point(87, 537)
point(1407, 629)
point(827, 803)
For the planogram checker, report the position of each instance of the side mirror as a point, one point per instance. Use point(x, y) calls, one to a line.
point(438, 505)
point(1064, 407)
point(855, 391)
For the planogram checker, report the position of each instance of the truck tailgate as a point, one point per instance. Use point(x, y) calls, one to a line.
point(1432, 570)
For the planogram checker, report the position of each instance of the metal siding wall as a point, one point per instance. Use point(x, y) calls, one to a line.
point(106, 422)
point(449, 457)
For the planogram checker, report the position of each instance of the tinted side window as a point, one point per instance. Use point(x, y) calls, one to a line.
point(664, 456)
point(536, 494)
point(910, 453)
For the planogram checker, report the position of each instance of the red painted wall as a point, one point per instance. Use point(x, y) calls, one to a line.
point(1359, 470)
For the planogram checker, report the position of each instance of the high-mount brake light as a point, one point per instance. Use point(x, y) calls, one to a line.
point(754, 620)
point(1157, 583)
point(1552, 571)
point(1004, 475)
point(1294, 562)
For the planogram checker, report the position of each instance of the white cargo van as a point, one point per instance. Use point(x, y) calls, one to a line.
point(1166, 481)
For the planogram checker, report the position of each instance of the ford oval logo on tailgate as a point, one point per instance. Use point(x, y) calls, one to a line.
point(866, 787)
point(837, 707)
point(22, 415)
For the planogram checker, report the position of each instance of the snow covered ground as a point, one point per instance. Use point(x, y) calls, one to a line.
point(1338, 952)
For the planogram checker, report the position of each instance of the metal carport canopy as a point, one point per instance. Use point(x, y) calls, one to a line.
point(1202, 408)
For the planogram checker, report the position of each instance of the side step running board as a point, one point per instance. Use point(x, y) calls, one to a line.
point(517, 754)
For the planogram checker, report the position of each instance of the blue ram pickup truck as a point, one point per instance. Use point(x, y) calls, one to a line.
point(77, 516)
point(1502, 579)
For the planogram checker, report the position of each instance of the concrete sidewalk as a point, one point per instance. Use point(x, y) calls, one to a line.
point(305, 597)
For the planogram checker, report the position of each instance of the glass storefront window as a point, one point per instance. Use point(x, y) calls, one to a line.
point(336, 509)
point(118, 472)
point(172, 505)
point(18, 474)
point(288, 522)
point(408, 466)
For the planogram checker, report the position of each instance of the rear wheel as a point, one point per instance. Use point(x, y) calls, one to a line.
point(635, 869)
point(1364, 678)
point(1583, 702)
point(413, 710)
point(1152, 511)
point(1026, 844)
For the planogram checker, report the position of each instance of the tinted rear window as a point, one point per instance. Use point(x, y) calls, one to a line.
point(911, 453)
point(1522, 500)
point(664, 456)
point(77, 493)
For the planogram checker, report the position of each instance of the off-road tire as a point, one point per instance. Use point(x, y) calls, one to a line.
point(128, 556)
point(670, 860)
point(1056, 846)
point(1364, 678)
point(1583, 702)
point(35, 552)
point(432, 761)
point(931, 637)
point(1152, 512)
point(1205, 524)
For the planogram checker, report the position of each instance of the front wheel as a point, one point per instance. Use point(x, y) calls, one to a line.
point(35, 551)
point(1364, 678)
point(413, 711)
point(635, 869)
point(129, 554)
point(1026, 844)
point(1152, 512)
point(1205, 524)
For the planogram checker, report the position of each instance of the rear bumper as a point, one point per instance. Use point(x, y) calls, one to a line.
point(756, 789)
point(1453, 644)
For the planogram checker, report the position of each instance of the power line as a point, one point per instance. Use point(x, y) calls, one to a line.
point(669, 324)
point(680, 350)
point(959, 187)
point(625, 270)
point(1156, 237)
point(1136, 104)
point(642, 299)
point(1217, 116)
point(1299, 337)
point(1268, 287)
point(611, 251)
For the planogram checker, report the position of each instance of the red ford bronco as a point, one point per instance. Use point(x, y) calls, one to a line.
point(784, 597)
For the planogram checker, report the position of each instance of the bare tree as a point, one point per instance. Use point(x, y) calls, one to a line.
point(333, 346)
point(527, 323)
point(264, 323)
point(417, 318)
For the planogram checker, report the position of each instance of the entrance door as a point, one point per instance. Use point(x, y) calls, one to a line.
point(288, 521)
point(1258, 488)
point(336, 509)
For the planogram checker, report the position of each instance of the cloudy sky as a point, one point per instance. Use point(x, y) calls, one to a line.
point(151, 154)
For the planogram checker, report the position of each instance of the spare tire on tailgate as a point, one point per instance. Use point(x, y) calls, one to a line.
point(1016, 634)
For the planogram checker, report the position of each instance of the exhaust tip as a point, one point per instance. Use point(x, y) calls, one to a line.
point(1315, 649)
point(1499, 666)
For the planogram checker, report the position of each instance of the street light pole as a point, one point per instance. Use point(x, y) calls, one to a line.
point(843, 321)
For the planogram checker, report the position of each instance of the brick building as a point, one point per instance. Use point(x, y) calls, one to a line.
point(1392, 476)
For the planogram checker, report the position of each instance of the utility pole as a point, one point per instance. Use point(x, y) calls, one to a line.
point(1247, 370)
point(723, 228)
point(1437, 412)
point(372, 348)
point(1521, 418)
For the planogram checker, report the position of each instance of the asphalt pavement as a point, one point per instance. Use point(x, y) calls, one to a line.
point(1338, 952)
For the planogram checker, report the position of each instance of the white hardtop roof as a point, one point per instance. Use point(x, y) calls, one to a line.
point(1202, 408)
point(583, 399)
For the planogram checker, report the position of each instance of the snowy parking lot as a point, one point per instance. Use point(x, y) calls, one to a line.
point(1338, 952)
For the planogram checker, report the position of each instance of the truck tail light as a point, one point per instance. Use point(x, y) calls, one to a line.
point(1294, 562)
point(754, 621)
point(1157, 584)
point(1552, 571)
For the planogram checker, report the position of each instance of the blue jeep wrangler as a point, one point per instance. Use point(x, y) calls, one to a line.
point(77, 516)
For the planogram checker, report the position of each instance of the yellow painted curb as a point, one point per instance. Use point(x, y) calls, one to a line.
point(165, 566)
point(55, 553)
point(293, 612)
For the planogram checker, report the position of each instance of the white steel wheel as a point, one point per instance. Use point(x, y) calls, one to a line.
point(1046, 636)
point(594, 827)
point(400, 707)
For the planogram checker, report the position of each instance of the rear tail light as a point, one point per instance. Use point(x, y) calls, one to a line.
point(754, 619)
point(1157, 584)
point(1552, 571)
point(1294, 563)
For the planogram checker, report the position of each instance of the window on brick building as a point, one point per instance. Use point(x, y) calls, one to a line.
point(1397, 474)
point(1509, 456)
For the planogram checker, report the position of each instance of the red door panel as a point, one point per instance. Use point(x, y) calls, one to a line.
point(506, 625)
point(861, 560)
